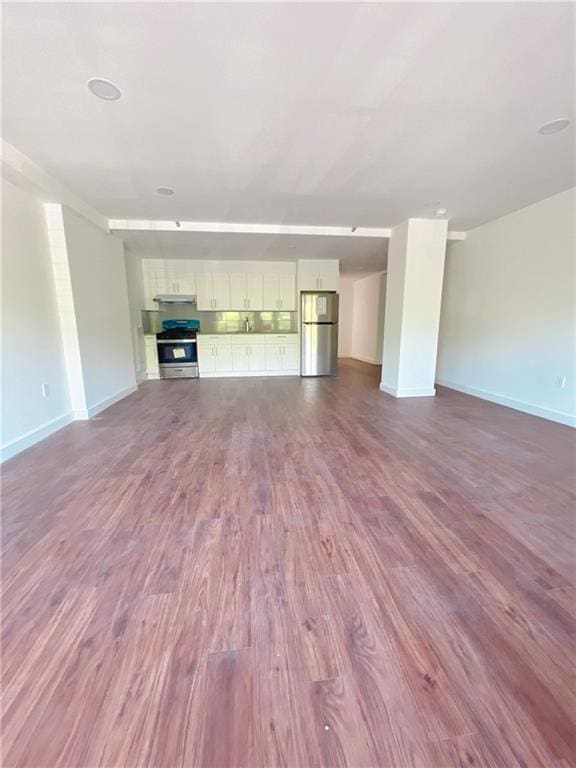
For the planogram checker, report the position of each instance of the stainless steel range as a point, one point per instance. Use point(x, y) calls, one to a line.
point(177, 354)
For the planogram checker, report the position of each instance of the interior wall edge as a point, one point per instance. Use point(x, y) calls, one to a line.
point(21, 443)
point(363, 359)
point(94, 410)
point(518, 405)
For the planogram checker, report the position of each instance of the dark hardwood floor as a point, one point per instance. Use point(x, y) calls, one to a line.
point(286, 572)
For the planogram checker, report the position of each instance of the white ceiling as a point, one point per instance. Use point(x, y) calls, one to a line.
point(329, 114)
point(356, 255)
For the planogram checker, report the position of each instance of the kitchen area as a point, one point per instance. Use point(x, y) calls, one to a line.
point(207, 319)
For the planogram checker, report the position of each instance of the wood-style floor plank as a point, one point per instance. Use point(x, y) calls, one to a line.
point(291, 572)
point(231, 725)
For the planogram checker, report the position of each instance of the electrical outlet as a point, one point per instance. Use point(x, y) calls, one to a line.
point(560, 382)
point(45, 389)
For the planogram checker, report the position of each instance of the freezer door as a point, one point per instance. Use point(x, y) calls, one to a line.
point(319, 307)
point(319, 349)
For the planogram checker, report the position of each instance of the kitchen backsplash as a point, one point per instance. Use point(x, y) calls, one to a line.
point(222, 322)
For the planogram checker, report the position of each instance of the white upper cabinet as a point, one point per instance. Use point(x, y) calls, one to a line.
point(248, 286)
point(204, 290)
point(279, 292)
point(323, 281)
point(180, 277)
point(246, 291)
point(319, 274)
point(168, 276)
point(185, 277)
point(237, 290)
point(287, 292)
point(270, 284)
point(213, 290)
point(171, 272)
point(254, 291)
point(221, 283)
point(154, 280)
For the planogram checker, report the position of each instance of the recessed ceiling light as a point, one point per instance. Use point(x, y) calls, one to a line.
point(104, 89)
point(165, 191)
point(441, 211)
point(554, 126)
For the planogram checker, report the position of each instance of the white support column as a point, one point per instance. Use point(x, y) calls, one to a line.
point(416, 257)
point(66, 309)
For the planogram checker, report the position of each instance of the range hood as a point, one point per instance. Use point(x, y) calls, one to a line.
point(175, 298)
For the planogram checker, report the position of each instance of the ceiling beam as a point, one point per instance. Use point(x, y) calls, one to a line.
point(146, 225)
point(26, 174)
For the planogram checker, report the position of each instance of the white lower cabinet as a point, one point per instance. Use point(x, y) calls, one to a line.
point(240, 357)
point(248, 357)
point(214, 354)
point(282, 356)
point(151, 348)
point(290, 356)
point(223, 358)
point(248, 354)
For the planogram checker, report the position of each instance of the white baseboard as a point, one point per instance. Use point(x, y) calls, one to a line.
point(244, 374)
point(370, 360)
point(35, 435)
point(407, 391)
point(83, 415)
point(518, 405)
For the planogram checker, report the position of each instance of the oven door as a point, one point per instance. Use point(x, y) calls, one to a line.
point(177, 352)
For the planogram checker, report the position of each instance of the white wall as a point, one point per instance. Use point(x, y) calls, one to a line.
point(32, 352)
point(98, 276)
point(345, 316)
point(508, 312)
point(369, 298)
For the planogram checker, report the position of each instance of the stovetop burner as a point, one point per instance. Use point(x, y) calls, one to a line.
point(176, 333)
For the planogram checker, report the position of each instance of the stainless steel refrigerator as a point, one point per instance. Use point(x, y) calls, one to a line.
point(319, 333)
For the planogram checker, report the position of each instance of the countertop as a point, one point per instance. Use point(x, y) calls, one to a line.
point(238, 333)
point(247, 333)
